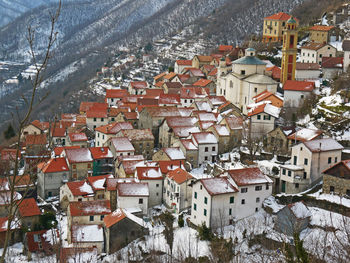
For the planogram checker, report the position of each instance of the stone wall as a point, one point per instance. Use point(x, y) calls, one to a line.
point(341, 185)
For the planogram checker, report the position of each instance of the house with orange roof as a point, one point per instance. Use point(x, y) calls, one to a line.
point(275, 72)
point(96, 117)
point(51, 176)
point(115, 95)
point(80, 163)
point(177, 193)
point(122, 227)
point(169, 77)
point(75, 191)
point(189, 94)
point(42, 241)
point(268, 96)
point(16, 231)
point(104, 133)
point(120, 146)
point(77, 139)
point(29, 213)
point(35, 144)
point(199, 60)
point(182, 78)
point(132, 118)
point(180, 65)
point(206, 83)
point(159, 78)
point(225, 49)
point(321, 33)
point(262, 118)
point(103, 160)
point(170, 99)
point(58, 134)
point(313, 52)
point(35, 127)
point(296, 92)
point(274, 25)
point(133, 195)
point(98, 185)
point(138, 87)
point(336, 179)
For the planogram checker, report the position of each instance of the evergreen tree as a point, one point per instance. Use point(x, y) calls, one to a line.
point(9, 133)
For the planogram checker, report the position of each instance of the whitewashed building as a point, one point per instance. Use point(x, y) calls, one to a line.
point(133, 195)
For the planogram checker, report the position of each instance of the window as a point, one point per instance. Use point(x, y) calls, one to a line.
point(331, 189)
point(243, 201)
point(230, 212)
point(258, 188)
point(80, 199)
point(242, 72)
point(101, 217)
point(185, 101)
point(348, 192)
point(74, 166)
point(255, 90)
point(301, 148)
point(329, 159)
point(195, 207)
point(206, 158)
point(213, 148)
point(98, 135)
point(306, 161)
point(267, 186)
point(195, 195)
point(244, 190)
point(205, 212)
point(201, 187)
point(289, 173)
point(257, 199)
point(157, 185)
point(232, 199)
point(256, 209)
point(305, 175)
point(301, 96)
point(296, 185)
point(205, 200)
point(91, 218)
point(113, 119)
point(140, 201)
point(95, 119)
point(295, 160)
point(336, 159)
point(206, 149)
point(267, 117)
point(284, 171)
point(258, 117)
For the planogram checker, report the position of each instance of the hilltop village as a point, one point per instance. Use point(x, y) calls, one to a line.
point(217, 141)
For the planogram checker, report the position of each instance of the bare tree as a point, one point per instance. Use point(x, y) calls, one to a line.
point(40, 66)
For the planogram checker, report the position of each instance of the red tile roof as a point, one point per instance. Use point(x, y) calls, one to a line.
point(214, 72)
point(116, 93)
point(149, 173)
point(78, 137)
point(54, 165)
point(122, 144)
point(184, 62)
point(296, 85)
point(173, 99)
point(307, 66)
point(86, 208)
point(9, 154)
point(179, 175)
point(166, 166)
point(80, 188)
point(133, 189)
point(248, 176)
point(28, 207)
point(139, 84)
point(131, 115)
point(332, 62)
point(80, 155)
point(44, 240)
point(101, 153)
point(97, 182)
point(204, 58)
point(114, 128)
point(96, 113)
point(59, 150)
point(114, 217)
point(279, 16)
point(276, 72)
point(154, 92)
point(225, 48)
point(203, 82)
point(35, 139)
point(321, 28)
point(313, 46)
point(4, 224)
point(41, 125)
point(138, 134)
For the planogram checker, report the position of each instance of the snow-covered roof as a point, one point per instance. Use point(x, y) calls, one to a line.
point(80, 188)
point(132, 189)
point(87, 233)
point(218, 186)
point(80, 155)
point(305, 134)
point(248, 176)
point(149, 173)
point(189, 145)
point(174, 153)
point(122, 144)
point(323, 145)
point(221, 130)
point(204, 138)
point(86, 208)
point(184, 132)
point(300, 210)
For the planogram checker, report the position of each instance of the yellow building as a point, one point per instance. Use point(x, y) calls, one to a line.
point(289, 51)
point(320, 34)
point(273, 27)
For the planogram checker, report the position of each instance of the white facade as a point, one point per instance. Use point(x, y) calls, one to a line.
point(178, 196)
point(307, 74)
point(93, 123)
point(140, 202)
point(294, 98)
point(346, 61)
point(261, 124)
point(155, 191)
point(315, 56)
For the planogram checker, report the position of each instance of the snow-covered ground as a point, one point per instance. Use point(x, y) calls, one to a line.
point(331, 198)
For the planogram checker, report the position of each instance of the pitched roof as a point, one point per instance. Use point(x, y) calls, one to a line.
point(114, 128)
point(78, 137)
point(138, 84)
point(204, 58)
point(54, 165)
point(138, 134)
point(164, 111)
point(132, 189)
point(184, 62)
point(116, 93)
point(202, 82)
point(87, 233)
point(313, 46)
point(332, 62)
point(101, 153)
point(46, 239)
point(249, 60)
point(79, 155)
point(225, 48)
point(97, 182)
point(204, 138)
point(28, 207)
point(266, 108)
point(307, 66)
point(345, 163)
point(195, 72)
point(234, 122)
point(179, 175)
point(323, 145)
point(41, 125)
point(149, 173)
point(10, 154)
point(279, 16)
point(173, 99)
point(296, 85)
point(180, 121)
point(131, 115)
point(166, 166)
point(221, 130)
point(4, 224)
point(321, 28)
point(96, 113)
point(86, 208)
point(248, 176)
point(276, 72)
point(305, 134)
point(80, 188)
point(174, 153)
point(60, 149)
point(346, 45)
point(113, 218)
point(35, 139)
point(189, 145)
point(122, 144)
point(218, 186)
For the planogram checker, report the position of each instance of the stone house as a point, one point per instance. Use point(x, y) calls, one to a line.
point(234, 125)
point(332, 67)
point(141, 139)
point(77, 139)
point(104, 133)
point(195, 75)
point(86, 213)
point(307, 71)
point(97, 184)
point(80, 163)
point(133, 195)
point(35, 127)
point(169, 154)
point(198, 61)
point(125, 166)
point(190, 94)
point(313, 52)
point(295, 92)
point(113, 96)
point(132, 118)
point(51, 176)
point(223, 136)
point(321, 34)
point(77, 191)
point(308, 160)
point(190, 151)
point(293, 218)
point(96, 117)
point(276, 141)
point(336, 179)
point(207, 145)
point(137, 87)
point(29, 213)
point(121, 227)
point(180, 65)
point(58, 135)
point(120, 146)
point(86, 236)
point(207, 84)
point(172, 87)
point(303, 135)
point(177, 193)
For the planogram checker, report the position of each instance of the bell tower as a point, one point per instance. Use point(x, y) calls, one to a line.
point(289, 51)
